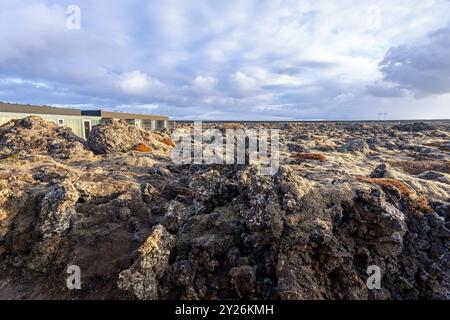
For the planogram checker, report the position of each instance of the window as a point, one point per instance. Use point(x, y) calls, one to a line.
point(160, 124)
point(61, 122)
point(137, 123)
point(147, 124)
point(87, 128)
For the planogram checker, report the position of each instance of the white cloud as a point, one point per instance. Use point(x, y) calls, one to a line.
point(244, 85)
point(259, 59)
point(204, 85)
point(139, 84)
point(344, 97)
point(24, 82)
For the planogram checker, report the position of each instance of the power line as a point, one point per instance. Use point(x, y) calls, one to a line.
point(382, 115)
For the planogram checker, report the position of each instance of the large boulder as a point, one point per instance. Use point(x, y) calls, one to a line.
point(35, 135)
point(415, 127)
point(112, 135)
point(141, 279)
point(355, 145)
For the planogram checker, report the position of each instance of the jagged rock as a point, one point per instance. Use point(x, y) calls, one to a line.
point(57, 208)
point(436, 176)
point(326, 146)
point(56, 212)
point(442, 208)
point(141, 279)
point(113, 135)
point(296, 147)
point(414, 127)
point(155, 230)
point(34, 135)
point(177, 214)
point(12, 201)
point(445, 146)
point(211, 189)
point(356, 145)
point(379, 171)
point(373, 143)
point(440, 134)
point(244, 280)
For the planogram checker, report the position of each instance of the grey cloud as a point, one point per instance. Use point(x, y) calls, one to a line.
point(385, 92)
point(171, 44)
point(302, 65)
point(422, 68)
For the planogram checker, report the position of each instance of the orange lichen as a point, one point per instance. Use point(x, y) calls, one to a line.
point(310, 156)
point(142, 147)
point(168, 142)
point(417, 167)
point(415, 201)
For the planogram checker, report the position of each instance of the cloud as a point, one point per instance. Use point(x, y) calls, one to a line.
point(137, 83)
point(344, 97)
point(204, 85)
point(243, 85)
point(229, 59)
point(383, 91)
point(423, 67)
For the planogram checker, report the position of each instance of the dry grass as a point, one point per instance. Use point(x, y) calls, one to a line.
point(415, 201)
point(310, 156)
point(142, 147)
point(233, 125)
point(417, 167)
point(404, 189)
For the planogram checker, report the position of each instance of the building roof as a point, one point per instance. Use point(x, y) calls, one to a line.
point(25, 108)
point(122, 115)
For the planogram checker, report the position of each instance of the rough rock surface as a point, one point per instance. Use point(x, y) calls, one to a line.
point(416, 126)
point(141, 227)
point(113, 135)
point(355, 145)
point(34, 135)
point(141, 279)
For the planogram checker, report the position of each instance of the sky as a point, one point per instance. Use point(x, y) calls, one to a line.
point(230, 60)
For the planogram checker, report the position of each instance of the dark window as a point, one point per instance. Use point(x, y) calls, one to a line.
point(87, 128)
point(159, 124)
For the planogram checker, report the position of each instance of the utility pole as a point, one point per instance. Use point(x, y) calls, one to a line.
point(380, 116)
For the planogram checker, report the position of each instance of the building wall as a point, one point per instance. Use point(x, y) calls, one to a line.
point(73, 122)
